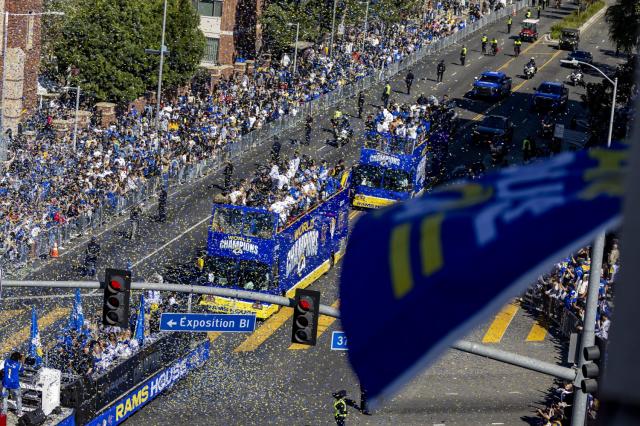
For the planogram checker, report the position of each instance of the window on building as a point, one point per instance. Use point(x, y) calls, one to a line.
point(208, 7)
point(211, 50)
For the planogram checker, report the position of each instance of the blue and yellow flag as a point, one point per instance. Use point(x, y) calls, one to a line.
point(436, 266)
point(76, 318)
point(139, 334)
point(35, 346)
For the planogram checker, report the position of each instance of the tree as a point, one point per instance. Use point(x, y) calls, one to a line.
point(624, 24)
point(315, 17)
point(104, 40)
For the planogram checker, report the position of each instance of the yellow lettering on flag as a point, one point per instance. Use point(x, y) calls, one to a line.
point(431, 244)
point(400, 260)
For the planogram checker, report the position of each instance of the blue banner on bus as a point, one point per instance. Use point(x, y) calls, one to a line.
point(438, 265)
point(147, 391)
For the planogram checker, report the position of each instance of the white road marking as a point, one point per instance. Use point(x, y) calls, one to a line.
point(171, 241)
point(321, 148)
point(451, 393)
point(515, 392)
point(497, 423)
point(454, 73)
point(439, 424)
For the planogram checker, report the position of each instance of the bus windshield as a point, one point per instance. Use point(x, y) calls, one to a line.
point(244, 274)
point(236, 222)
point(383, 178)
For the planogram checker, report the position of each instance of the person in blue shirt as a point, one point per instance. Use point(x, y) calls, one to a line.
point(13, 367)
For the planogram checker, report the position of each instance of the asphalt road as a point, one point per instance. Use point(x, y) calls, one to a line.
point(263, 381)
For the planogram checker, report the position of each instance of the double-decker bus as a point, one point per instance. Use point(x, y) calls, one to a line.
point(247, 249)
point(389, 171)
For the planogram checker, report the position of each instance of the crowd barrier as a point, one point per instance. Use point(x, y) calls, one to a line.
point(552, 309)
point(42, 245)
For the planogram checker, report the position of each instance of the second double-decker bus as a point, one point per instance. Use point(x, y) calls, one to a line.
point(247, 249)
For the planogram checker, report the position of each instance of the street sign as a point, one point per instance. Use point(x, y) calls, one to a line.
point(339, 341)
point(226, 323)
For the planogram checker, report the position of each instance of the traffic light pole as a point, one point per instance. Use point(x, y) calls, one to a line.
point(588, 329)
point(469, 347)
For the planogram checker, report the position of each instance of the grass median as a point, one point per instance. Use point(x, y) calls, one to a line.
point(576, 19)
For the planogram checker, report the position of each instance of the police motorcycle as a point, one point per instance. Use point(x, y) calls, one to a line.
point(576, 77)
point(547, 126)
point(343, 132)
point(530, 69)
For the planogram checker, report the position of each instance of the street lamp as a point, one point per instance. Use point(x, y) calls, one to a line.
point(295, 52)
point(366, 23)
point(614, 82)
point(333, 27)
point(75, 121)
point(5, 43)
point(591, 307)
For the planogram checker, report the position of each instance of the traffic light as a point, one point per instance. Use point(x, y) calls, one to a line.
point(305, 317)
point(590, 370)
point(117, 291)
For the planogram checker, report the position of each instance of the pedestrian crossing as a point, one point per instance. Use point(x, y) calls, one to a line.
point(492, 333)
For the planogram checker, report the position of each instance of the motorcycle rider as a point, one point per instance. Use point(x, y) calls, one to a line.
point(517, 43)
point(532, 63)
point(494, 46)
point(485, 39)
point(576, 76)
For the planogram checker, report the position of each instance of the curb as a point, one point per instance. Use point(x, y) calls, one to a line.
point(594, 18)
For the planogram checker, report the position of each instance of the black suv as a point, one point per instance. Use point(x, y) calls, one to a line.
point(494, 129)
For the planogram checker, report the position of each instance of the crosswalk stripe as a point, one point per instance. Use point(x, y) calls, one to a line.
point(324, 322)
point(537, 333)
point(22, 335)
point(213, 335)
point(8, 314)
point(500, 323)
point(269, 327)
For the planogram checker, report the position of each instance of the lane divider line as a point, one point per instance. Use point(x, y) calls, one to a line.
point(16, 339)
point(265, 331)
point(537, 333)
point(499, 325)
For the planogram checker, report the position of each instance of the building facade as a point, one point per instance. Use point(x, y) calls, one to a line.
point(21, 57)
point(231, 30)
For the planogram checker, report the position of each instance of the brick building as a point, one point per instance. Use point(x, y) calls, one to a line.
point(231, 30)
point(23, 58)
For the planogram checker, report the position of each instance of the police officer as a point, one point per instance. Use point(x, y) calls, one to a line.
point(528, 15)
point(539, 9)
point(485, 39)
point(386, 94)
point(13, 367)
point(463, 55)
point(509, 22)
point(494, 46)
point(134, 218)
point(441, 69)
point(528, 148)
point(162, 205)
point(517, 43)
point(360, 104)
point(275, 149)
point(228, 173)
point(91, 257)
point(409, 82)
point(308, 125)
point(340, 407)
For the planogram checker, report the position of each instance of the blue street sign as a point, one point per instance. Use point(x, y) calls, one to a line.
point(339, 341)
point(229, 323)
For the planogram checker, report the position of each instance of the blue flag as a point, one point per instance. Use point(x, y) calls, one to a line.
point(76, 318)
point(35, 346)
point(438, 265)
point(139, 335)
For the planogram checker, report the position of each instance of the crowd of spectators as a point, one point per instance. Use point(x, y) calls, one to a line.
point(288, 187)
point(49, 180)
point(567, 286)
point(97, 348)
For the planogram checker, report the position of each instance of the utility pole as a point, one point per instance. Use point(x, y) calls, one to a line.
point(75, 121)
point(366, 24)
point(295, 52)
point(159, 94)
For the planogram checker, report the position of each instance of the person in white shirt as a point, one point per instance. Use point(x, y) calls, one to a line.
point(602, 327)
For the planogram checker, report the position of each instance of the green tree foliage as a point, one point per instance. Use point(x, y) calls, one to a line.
point(315, 17)
point(624, 24)
point(100, 45)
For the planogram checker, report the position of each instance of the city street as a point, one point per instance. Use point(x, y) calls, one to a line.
point(261, 378)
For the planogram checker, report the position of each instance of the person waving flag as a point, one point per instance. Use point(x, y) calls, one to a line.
point(139, 335)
